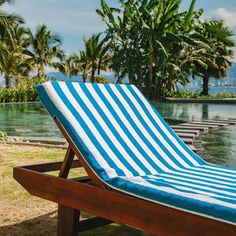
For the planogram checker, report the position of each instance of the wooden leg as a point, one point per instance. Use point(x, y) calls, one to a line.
point(68, 221)
point(66, 165)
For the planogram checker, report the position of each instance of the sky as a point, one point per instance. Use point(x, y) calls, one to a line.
point(73, 19)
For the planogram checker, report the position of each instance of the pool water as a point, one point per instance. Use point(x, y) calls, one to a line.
point(27, 119)
point(30, 119)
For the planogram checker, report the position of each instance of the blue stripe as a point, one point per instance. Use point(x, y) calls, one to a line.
point(54, 112)
point(164, 181)
point(115, 115)
point(100, 129)
point(191, 181)
point(87, 130)
point(182, 144)
point(113, 130)
point(137, 129)
point(214, 210)
point(143, 121)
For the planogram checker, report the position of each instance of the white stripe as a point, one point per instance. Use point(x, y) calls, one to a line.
point(168, 134)
point(204, 198)
point(207, 178)
point(155, 131)
point(93, 129)
point(207, 182)
point(128, 126)
point(143, 130)
point(106, 128)
point(159, 122)
point(114, 123)
point(75, 124)
point(152, 141)
point(220, 169)
point(194, 185)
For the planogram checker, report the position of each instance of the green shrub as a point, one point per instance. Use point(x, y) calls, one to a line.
point(197, 94)
point(3, 135)
point(23, 92)
point(101, 79)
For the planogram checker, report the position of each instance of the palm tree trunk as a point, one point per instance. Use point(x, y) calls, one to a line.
point(93, 76)
point(99, 67)
point(7, 81)
point(84, 77)
point(128, 66)
point(205, 87)
point(150, 78)
point(139, 68)
point(41, 70)
point(118, 81)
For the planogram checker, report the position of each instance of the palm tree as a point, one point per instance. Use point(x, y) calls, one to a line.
point(68, 65)
point(14, 63)
point(219, 38)
point(96, 53)
point(7, 21)
point(83, 64)
point(44, 48)
point(8, 24)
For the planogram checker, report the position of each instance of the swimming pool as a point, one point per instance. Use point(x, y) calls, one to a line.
point(30, 119)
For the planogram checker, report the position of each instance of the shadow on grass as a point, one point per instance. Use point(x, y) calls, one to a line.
point(45, 225)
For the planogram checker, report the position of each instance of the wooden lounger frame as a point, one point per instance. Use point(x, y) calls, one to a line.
point(89, 194)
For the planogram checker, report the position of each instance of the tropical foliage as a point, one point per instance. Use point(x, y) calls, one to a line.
point(150, 42)
point(157, 46)
point(24, 92)
point(198, 94)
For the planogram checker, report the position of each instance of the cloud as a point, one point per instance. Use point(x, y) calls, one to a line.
point(228, 16)
point(71, 19)
point(61, 16)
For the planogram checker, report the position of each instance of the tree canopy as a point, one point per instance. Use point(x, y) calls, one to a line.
point(150, 42)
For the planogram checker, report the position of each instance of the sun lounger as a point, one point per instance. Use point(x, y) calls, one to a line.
point(140, 173)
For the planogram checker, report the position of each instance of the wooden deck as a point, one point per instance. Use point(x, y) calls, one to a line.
point(188, 132)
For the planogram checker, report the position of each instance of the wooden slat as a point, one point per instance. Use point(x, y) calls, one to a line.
point(232, 119)
point(198, 128)
point(185, 135)
point(195, 132)
point(219, 123)
point(209, 123)
point(225, 121)
point(192, 148)
point(187, 140)
point(199, 125)
point(53, 166)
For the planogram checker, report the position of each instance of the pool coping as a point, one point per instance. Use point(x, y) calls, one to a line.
point(201, 100)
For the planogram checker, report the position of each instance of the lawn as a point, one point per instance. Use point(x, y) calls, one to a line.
point(25, 215)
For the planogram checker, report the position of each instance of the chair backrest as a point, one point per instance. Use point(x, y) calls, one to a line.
point(116, 129)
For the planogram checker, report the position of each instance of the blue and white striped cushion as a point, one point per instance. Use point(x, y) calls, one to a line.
point(131, 148)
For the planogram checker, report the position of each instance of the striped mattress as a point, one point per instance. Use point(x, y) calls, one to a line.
point(131, 148)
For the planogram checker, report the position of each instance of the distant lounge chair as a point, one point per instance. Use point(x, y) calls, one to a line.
point(140, 172)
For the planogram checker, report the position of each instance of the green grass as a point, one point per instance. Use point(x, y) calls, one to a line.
point(25, 215)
